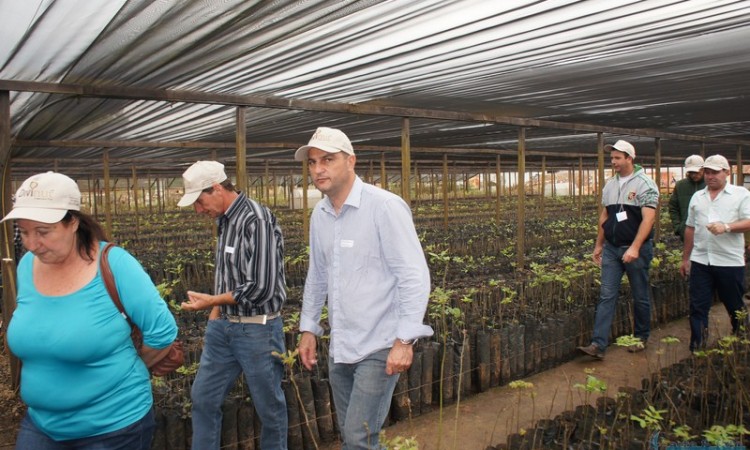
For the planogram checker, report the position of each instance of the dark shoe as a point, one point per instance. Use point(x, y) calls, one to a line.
point(635, 348)
point(592, 350)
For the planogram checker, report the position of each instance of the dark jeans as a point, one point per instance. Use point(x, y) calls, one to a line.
point(137, 436)
point(612, 271)
point(728, 282)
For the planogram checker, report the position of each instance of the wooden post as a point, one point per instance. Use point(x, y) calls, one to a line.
point(445, 190)
point(554, 184)
point(383, 173)
point(290, 190)
point(657, 179)
point(107, 200)
point(521, 211)
point(89, 190)
point(544, 185)
point(7, 236)
point(115, 202)
point(498, 175)
point(600, 160)
point(305, 215)
point(417, 184)
point(405, 161)
point(433, 182)
point(135, 201)
point(150, 195)
point(241, 151)
point(267, 183)
point(580, 187)
point(486, 176)
point(275, 190)
point(740, 175)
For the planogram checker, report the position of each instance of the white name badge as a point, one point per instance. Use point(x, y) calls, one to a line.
point(229, 249)
point(347, 243)
point(622, 215)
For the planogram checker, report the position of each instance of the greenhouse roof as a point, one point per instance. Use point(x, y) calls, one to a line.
point(162, 80)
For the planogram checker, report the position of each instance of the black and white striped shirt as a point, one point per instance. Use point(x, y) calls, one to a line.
point(250, 259)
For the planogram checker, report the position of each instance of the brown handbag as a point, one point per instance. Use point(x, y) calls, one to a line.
point(170, 360)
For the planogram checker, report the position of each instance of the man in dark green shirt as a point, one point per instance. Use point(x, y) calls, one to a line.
point(683, 192)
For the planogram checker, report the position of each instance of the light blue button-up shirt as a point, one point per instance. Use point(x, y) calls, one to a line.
point(730, 205)
point(368, 263)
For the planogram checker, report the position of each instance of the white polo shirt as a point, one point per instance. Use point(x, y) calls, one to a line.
point(730, 205)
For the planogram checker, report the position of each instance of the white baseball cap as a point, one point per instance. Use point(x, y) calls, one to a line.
point(622, 146)
point(201, 175)
point(693, 163)
point(716, 162)
point(46, 198)
point(327, 139)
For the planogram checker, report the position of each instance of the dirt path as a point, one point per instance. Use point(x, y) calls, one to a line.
point(487, 418)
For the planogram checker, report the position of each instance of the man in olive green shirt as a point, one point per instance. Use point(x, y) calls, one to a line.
point(683, 192)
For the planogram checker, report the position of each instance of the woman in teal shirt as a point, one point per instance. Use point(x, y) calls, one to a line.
point(84, 383)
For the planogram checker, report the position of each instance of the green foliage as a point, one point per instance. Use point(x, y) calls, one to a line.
point(520, 384)
point(683, 433)
point(192, 369)
point(651, 418)
point(628, 340)
point(291, 322)
point(441, 310)
point(288, 358)
point(719, 435)
point(593, 385)
point(299, 259)
point(398, 442)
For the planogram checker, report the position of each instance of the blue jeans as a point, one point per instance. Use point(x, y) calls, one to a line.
point(612, 271)
point(362, 395)
point(728, 282)
point(228, 349)
point(137, 436)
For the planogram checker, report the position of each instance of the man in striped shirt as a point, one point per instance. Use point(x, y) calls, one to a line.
point(244, 326)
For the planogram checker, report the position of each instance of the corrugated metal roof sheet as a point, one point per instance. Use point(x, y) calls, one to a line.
point(676, 66)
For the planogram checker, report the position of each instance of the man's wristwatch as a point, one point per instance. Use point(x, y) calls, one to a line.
point(408, 341)
point(727, 229)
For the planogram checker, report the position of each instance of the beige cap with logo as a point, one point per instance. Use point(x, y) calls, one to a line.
point(46, 198)
point(327, 139)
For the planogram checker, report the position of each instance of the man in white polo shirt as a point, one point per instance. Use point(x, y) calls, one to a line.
point(714, 253)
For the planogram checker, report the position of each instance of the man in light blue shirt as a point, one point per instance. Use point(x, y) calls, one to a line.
point(714, 252)
point(367, 262)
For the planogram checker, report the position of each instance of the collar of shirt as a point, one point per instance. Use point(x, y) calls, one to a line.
point(232, 210)
point(728, 189)
point(354, 199)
